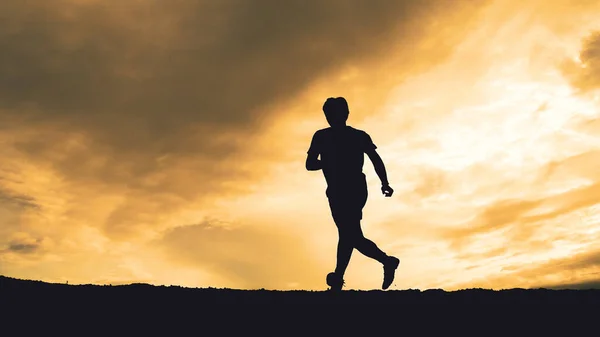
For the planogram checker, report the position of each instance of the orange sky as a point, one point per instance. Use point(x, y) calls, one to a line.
point(164, 142)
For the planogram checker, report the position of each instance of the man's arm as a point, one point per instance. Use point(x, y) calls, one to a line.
point(381, 172)
point(379, 166)
point(312, 162)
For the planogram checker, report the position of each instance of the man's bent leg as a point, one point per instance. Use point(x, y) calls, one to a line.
point(366, 246)
point(370, 249)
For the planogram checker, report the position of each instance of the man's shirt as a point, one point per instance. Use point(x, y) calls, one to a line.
point(342, 155)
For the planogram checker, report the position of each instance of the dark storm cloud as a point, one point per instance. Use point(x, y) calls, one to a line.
point(20, 201)
point(165, 76)
point(12, 208)
point(23, 247)
point(157, 101)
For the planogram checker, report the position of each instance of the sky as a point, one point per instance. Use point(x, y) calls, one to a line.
point(164, 142)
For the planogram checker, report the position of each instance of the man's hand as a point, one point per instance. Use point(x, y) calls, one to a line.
point(312, 163)
point(387, 190)
point(380, 170)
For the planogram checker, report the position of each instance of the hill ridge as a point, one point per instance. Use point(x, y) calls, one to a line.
point(141, 308)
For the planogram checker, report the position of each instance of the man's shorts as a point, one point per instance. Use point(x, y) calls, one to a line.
point(346, 203)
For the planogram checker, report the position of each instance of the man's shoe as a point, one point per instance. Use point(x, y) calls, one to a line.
point(389, 271)
point(335, 282)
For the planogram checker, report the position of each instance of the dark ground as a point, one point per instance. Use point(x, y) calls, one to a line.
point(31, 308)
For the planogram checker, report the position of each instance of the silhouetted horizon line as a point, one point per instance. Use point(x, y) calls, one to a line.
point(549, 288)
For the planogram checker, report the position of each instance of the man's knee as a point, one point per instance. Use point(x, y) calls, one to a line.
point(352, 235)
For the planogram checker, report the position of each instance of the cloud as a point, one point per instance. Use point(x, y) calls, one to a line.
point(494, 217)
point(13, 208)
point(162, 109)
point(544, 238)
point(585, 73)
point(182, 76)
point(523, 216)
point(594, 284)
point(21, 201)
point(23, 247)
point(246, 256)
point(580, 271)
point(24, 243)
point(431, 181)
point(577, 165)
point(124, 120)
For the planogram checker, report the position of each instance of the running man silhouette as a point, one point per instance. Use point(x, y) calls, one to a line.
point(341, 149)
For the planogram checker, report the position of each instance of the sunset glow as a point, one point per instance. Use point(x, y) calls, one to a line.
point(170, 149)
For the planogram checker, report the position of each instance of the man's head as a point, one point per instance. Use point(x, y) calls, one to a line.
point(336, 111)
